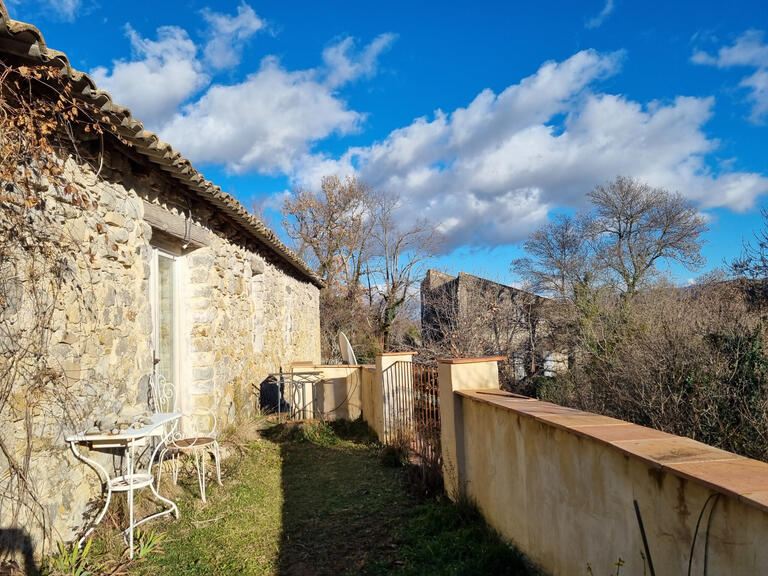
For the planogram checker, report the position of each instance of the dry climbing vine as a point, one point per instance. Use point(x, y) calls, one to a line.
point(41, 124)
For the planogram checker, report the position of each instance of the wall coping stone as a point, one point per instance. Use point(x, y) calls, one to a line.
point(721, 471)
point(471, 360)
point(397, 354)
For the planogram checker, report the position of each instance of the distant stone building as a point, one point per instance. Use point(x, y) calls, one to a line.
point(466, 315)
point(167, 274)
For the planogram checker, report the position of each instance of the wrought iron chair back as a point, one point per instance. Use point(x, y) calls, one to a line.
point(192, 436)
point(162, 398)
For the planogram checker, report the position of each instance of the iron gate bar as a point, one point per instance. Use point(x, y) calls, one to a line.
point(412, 402)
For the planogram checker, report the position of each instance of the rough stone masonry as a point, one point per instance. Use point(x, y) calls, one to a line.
point(244, 313)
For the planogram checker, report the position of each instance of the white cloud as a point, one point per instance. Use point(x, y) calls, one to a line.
point(489, 173)
point(757, 83)
point(64, 9)
point(265, 123)
point(228, 35)
point(344, 65)
point(270, 121)
point(597, 21)
point(749, 51)
point(163, 74)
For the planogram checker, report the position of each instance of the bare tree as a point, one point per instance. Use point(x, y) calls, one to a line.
point(559, 261)
point(330, 226)
point(369, 260)
point(633, 225)
point(629, 228)
point(395, 266)
point(688, 361)
point(692, 362)
point(753, 260)
point(42, 267)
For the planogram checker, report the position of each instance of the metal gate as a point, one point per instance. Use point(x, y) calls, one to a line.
point(412, 408)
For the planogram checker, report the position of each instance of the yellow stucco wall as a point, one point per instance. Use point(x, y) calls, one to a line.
point(561, 485)
point(371, 402)
point(339, 393)
point(568, 502)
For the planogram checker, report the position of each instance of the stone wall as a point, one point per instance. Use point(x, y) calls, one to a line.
point(245, 320)
point(244, 314)
point(466, 315)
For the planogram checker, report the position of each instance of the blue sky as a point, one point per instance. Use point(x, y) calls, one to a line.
point(485, 117)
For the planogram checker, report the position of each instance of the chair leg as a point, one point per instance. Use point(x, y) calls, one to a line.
point(203, 457)
point(200, 476)
point(217, 458)
point(160, 461)
point(175, 469)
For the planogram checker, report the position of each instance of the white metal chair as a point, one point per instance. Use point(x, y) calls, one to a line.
point(189, 439)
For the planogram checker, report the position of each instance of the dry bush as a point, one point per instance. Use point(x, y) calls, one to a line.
point(686, 361)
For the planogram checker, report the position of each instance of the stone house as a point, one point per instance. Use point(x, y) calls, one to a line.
point(162, 272)
point(466, 315)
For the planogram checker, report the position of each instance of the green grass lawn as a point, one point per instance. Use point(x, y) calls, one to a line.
point(312, 499)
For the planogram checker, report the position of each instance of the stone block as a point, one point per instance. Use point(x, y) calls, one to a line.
point(201, 258)
point(200, 291)
point(203, 358)
point(200, 388)
point(114, 219)
point(205, 373)
point(144, 252)
point(203, 316)
point(77, 230)
point(199, 275)
point(199, 304)
point(202, 344)
point(257, 265)
point(107, 199)
point(119, 235)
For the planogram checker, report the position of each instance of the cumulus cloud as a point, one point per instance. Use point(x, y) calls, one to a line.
point(270, 121)
point(162, 74)
point(228, 35)
point(487, 173)
point(265, 123)
point(749, 51)
point(345, 65)
point(597, 21)
point(490, 172)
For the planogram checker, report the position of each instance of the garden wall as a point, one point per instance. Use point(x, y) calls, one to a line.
point(562, 485)
point(339, 395)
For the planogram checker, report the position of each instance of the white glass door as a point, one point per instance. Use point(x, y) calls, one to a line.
point(165, 319)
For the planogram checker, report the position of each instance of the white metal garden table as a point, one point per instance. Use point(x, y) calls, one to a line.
point(129, 479)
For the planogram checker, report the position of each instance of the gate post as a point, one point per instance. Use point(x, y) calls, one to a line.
point(381, 406)
point(460, 374)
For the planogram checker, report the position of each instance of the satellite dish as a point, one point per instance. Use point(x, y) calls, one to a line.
point(347, 354)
